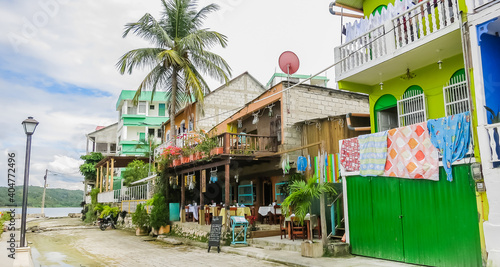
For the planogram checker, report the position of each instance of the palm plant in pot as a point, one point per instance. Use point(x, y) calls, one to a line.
point(299, 202)
point(140, 218)
point(159, 217)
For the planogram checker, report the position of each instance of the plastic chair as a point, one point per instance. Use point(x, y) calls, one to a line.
point(189, 215)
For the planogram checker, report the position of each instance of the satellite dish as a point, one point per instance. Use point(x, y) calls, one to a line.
point(289, 62)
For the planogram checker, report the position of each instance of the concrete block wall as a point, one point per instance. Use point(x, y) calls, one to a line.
point(227, 100)
point(306, 103)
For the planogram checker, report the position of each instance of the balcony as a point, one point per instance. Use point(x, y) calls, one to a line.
point(479, 5)
point(490, 133)
point(410, 39)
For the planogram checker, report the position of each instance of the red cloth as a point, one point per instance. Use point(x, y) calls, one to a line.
point(349, 154)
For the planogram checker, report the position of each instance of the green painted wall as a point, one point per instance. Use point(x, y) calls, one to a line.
point(370, 5)
point(142, 120)
point(430, 79)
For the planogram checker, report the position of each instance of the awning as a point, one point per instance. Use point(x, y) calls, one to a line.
point(145, 179)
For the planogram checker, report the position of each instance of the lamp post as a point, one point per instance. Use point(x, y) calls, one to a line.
point(29, 128)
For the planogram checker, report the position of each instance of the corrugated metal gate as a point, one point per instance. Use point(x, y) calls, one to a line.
point(415, 221)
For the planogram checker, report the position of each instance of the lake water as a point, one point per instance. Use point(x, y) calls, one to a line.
point(49, 212)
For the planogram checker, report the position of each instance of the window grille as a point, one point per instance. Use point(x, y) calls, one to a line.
point(456, 95)
point(411, 107)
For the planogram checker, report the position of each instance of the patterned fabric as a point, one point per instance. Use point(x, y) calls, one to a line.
point(451, 135)
point(410, 153)
point(372, 153)
point(301, 164)
point(349, 155)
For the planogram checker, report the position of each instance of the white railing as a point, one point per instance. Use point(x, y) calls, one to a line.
point(481, 3)
point(493, 131)
point(410, 26)
point(456, 96)
point(105, 197)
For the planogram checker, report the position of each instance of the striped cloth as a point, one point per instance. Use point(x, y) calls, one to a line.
point(372, 153)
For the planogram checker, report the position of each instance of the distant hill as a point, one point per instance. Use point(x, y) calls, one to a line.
point(54, 197)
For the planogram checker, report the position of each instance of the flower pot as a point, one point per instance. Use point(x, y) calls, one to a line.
point(164, 230)
point(184, 160)
point(192, 157)
point(176, 162)
point(198, 155)
point(216, 151)
point(311, 249)
point(140, 231)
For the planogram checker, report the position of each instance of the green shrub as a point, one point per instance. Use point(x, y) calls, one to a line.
point(159, 213)
point(140, 217)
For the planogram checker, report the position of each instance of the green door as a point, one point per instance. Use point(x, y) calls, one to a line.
point(415, 221)
point(142, 137)
point(161, 110)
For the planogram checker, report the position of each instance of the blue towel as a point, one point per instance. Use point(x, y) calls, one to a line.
point(301, 164)
point(451, 135)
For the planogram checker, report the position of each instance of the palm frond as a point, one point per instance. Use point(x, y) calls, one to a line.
point(151, 81)
point(212, 64)
point(202, 14)
point(138, 58)
point(149, 29)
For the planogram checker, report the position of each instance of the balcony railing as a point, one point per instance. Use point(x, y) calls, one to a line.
point(481, 3)
point(493, 131)
point(247, 144)
point(139, 192)
point(414, 24)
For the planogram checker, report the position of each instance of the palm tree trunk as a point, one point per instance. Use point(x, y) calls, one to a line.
point(173, 100)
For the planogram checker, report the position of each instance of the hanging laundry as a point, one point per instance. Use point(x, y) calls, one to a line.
point(411, 154)
point(309, 166)
point(372, 153)
point(451, 135)
point(301, 164)
point(349, 154)
point(285, 164)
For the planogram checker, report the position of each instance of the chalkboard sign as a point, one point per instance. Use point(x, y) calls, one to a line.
point(215, 232)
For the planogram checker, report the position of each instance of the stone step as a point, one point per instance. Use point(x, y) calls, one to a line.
point(265, 244)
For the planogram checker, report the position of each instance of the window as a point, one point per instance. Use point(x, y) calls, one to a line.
point(168, 135)
point(158, 133)
point(113, 148)
point(386, 115)
point(246, 195)
point(132, 110)
point(191, 123)
point(141, 107)
point(182, 128)
point(151, 132)
point(456, 94)
point(411, 106)
point(151, 107)
point(279, 194)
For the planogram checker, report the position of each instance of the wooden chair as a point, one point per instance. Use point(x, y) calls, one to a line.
point(233, 211)
point(298, 230)
point(208, 216)
point(189, 215)
point(317, 228)
point(283, 226)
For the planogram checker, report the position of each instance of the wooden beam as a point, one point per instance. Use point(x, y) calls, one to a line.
point(227, 184)
point(97, 178)
point(291, 150)
point(348, 15)
point(183, 200)
point(100, 183)
point(206, 166)
point(349, 8)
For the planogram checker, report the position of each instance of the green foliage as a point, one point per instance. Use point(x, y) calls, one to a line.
point(87, 169)
point(301, 195)
point(54, 197)
point(106, 210)
point(90, 214)
point(5, 217)
point(207, 144)
point(494, 118)
point(180, 55)
point(93, 196)
point(291, 178)
point(159, 213)
point(140, 217)
point(135, 171)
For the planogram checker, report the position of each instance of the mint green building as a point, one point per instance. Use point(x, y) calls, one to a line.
point(137, 123)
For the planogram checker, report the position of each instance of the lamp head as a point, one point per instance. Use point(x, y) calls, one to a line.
point(29, 125)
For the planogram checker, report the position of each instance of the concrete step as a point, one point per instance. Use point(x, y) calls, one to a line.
point(338, 249)
point(283, 244)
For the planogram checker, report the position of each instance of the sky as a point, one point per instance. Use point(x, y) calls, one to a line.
point(57, 64)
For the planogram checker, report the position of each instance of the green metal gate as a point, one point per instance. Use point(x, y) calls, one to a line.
point(415, 221)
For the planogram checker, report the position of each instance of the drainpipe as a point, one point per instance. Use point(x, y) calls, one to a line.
point(357, 129)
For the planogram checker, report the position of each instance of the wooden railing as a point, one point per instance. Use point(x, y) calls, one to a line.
point(247, 144)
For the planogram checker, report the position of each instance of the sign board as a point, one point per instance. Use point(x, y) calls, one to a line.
point(215, 233)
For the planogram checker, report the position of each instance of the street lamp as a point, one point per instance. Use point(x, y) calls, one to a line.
point(29, 128)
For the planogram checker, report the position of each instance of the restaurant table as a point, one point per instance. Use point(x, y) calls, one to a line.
point(241, 211)
point(214, 211)
point(263, 210)
point(308, 220)
point(194, 210)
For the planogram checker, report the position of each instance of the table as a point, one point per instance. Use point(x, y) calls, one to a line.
point(239, 212)
point(194, 210)
point(214, 211)
point(308, 220)
point(263, 210)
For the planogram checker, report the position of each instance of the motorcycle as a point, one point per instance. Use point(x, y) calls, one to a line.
point(106, 222)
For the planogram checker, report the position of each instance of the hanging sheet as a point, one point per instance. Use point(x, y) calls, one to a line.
point(372, 153)
point(349, 154)
point(451, 135)
point(411, 154)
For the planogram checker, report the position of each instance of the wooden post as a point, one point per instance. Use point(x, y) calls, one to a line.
point(227, 185)
point(97, 178)
point(100, 182)
point(227, 146)
point(322, 205)
point(107, 176)
point(183, 200)
point(112, 172)
point(201, 215)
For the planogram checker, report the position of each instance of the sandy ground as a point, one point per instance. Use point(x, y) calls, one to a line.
point(68, 244)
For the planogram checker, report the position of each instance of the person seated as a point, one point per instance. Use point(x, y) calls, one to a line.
point(235, 203)
point(213, 204)
point(275, 203)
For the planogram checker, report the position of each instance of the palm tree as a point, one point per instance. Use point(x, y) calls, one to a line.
point(180, 55)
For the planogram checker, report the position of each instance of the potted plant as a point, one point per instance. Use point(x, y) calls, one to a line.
point(140, 219)
point(299, 202)
point(170, 156)
point(206, 145)
point(159, 217)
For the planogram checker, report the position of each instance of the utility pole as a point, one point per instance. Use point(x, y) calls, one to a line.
point(44, 187)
